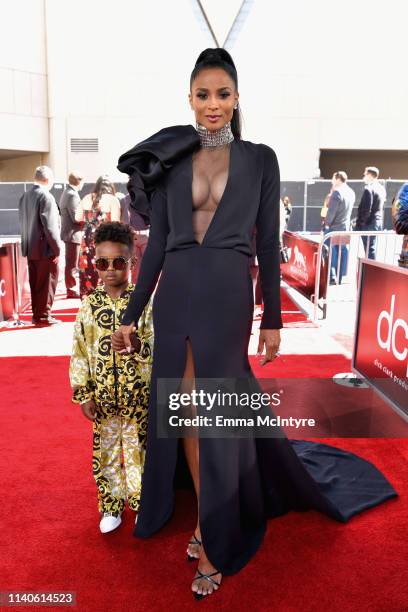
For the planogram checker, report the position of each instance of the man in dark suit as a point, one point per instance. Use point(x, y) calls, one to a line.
point(338, 215)
point(40, 243)
point(370, 210)
point(71, 231)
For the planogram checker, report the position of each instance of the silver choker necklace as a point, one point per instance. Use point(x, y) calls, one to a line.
point(216, 138)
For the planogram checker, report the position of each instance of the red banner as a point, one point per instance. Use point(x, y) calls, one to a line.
point(7, 297)
point(300, 271)
point(381, 342)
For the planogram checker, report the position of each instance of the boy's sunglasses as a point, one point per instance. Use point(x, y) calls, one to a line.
point(118, 263)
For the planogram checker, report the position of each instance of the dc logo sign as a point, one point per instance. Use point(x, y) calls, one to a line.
point(2, 288)
point(387, 330)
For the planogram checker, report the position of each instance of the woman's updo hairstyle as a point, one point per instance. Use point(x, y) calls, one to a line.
point(220, 58)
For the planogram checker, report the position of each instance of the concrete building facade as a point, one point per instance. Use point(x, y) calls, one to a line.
point(320, 82)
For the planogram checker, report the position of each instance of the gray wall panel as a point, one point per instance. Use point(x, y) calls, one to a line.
point(316, 191)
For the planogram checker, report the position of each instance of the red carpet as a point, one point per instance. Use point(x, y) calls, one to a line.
point(50, 531)
point(300, 366)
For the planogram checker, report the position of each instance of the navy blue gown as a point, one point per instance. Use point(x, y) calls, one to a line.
point(205, 294)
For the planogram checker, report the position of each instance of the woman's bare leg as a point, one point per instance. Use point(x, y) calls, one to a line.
point(191, 449)
point(191, 445)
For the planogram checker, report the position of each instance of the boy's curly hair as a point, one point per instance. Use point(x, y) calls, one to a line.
point(113, 231)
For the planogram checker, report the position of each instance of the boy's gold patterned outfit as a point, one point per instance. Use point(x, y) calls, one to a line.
point(119, 385)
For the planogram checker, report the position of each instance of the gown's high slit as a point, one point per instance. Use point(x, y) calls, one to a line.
point(205, 294)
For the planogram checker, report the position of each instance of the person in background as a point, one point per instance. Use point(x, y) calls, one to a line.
point(283, 217)
point(338, 216)
point(288, 209)
point(113, 390)
point(400, 222)
point(121, 196)
point(140, 235)
point(98, 206)
point(40, 243)
point(370, 210)
point(323, 211)
point(71, 230)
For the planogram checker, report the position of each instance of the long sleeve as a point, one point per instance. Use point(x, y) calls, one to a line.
point(332, 209)
point(49, 217)
point(79, 369)
point(145, 335)
point(364, 209)
point(267, 241)
point(152, 259)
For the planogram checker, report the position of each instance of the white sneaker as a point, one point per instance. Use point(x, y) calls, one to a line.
point(109, 522)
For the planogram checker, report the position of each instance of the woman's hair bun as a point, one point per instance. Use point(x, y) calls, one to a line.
point(217, 54)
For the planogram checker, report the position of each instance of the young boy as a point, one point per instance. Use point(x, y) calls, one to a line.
point(112, 388)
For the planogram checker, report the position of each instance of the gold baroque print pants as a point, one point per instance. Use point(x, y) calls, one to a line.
point(119, 445)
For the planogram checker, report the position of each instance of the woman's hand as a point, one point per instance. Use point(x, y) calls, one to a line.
point(88, 409)
point(121, 338)
point(270, 339)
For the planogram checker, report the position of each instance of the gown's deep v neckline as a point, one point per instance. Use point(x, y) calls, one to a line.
point(231, 149)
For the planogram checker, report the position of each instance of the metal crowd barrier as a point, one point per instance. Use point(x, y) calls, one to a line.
point(346, 248)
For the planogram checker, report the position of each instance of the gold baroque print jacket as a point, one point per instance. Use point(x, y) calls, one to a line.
point(96, 372)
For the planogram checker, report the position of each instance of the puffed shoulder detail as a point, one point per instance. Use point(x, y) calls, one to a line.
point(267, 152)
point(165, 146)
point(147, 162)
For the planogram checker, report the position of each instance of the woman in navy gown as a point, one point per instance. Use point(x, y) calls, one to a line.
point(206, 190)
